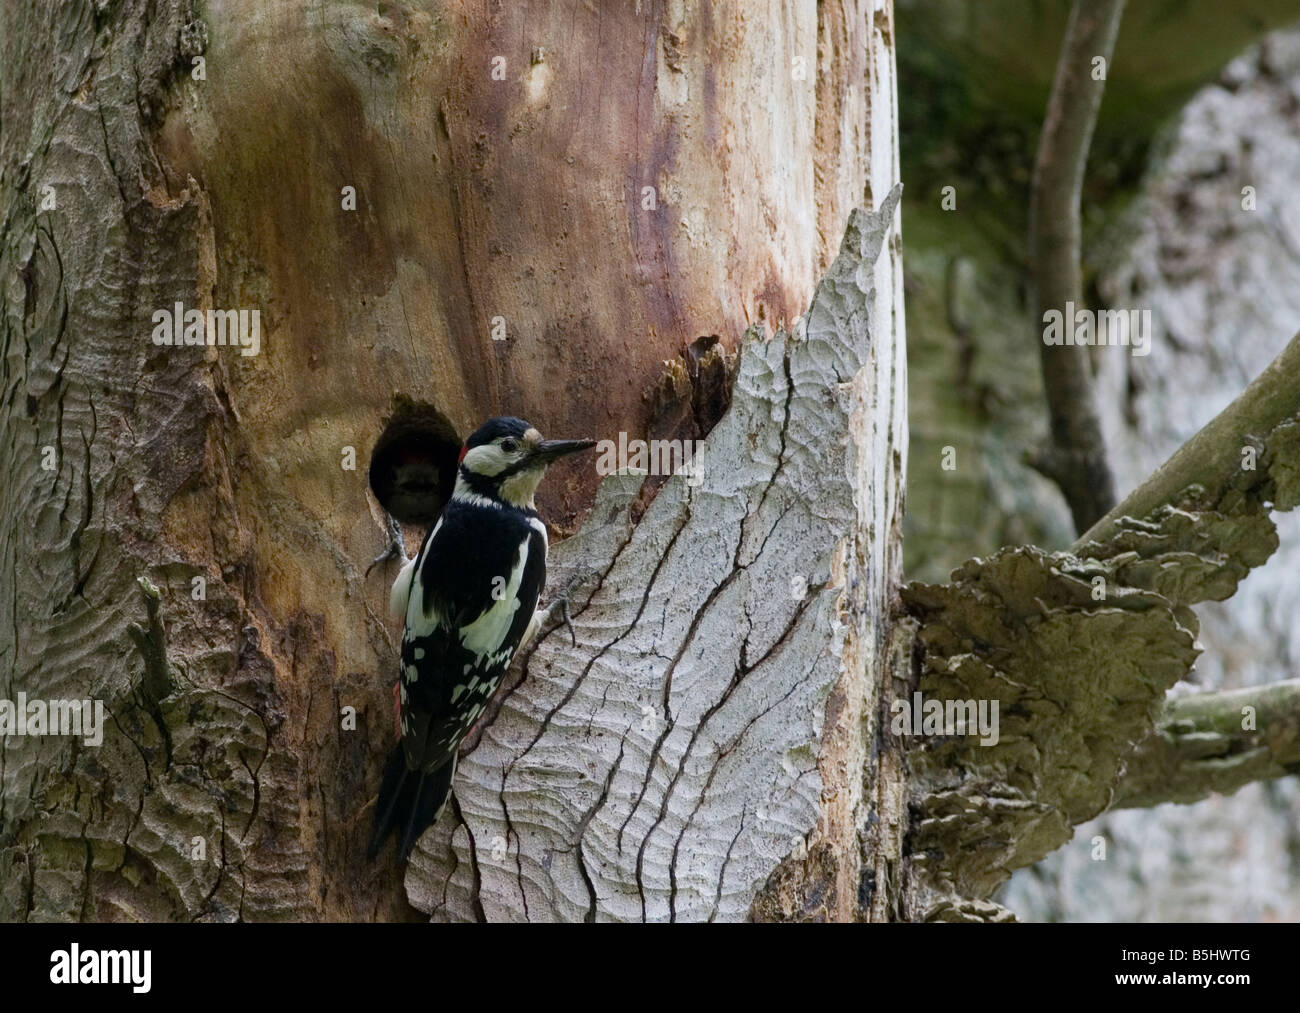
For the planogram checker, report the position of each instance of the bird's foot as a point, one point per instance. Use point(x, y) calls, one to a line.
point(558, 609)
point(396, 547)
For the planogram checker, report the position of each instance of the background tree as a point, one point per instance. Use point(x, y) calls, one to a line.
point(1183, 212)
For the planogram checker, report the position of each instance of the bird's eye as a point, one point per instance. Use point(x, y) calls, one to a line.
point(509, 446)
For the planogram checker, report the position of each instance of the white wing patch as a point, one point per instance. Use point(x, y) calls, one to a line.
point(485, 635)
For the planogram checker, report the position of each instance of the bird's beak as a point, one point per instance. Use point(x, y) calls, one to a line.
point(550, 450)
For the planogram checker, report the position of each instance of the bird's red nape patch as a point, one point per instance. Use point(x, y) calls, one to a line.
point(463, 451)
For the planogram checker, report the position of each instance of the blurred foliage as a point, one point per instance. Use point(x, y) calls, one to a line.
point(973, 85)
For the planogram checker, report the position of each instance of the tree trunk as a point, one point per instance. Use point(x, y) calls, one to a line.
point(714, 719)
point(441, 214)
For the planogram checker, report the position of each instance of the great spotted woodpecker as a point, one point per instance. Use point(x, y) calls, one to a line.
point(469, 600)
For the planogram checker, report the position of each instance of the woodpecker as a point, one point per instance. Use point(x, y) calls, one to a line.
point(469, 602)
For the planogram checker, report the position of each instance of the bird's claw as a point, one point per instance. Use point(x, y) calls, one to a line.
point(560, 603)
point(568, 621)
point(396, 547)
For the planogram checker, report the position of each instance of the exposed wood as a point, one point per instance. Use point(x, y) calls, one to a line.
point(714, 723)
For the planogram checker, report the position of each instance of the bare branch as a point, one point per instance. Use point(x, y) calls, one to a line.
point(1210, 743)
point(1080, 647)
point(1215, 459)
point(1077, 458)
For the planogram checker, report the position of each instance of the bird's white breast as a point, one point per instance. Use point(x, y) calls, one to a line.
point(406, 600)
point(401, 592)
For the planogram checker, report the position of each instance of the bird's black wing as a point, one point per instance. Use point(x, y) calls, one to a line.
point(480, 582)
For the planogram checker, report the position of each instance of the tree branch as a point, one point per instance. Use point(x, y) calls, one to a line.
point(1076, 461)
point(1213, 459)
point(1200, 747)
point(1080, 647)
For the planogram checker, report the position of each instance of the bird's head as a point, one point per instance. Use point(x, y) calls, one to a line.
point(505, 459)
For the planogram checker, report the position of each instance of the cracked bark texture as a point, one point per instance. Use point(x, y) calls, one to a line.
point(227, 787)
point(710, 731)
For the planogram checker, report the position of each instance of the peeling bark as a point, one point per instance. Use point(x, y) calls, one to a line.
point(717, 745)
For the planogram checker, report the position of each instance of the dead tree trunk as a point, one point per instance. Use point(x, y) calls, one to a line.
point(702, 752)
point(439, 214)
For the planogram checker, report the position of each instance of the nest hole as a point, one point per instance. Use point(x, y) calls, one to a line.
point(413, 463)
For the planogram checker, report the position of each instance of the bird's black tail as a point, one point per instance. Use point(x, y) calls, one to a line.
point(409, 802)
